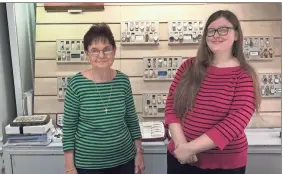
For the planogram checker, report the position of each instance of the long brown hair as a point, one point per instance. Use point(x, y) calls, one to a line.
point(186, 91)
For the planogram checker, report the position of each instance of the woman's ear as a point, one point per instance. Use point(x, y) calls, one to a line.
point(236, 36)
point(114, 51)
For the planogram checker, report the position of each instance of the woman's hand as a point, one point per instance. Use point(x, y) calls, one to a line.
point(139, 163)
point(72, 171)
point(184, 154)
point(192, 159)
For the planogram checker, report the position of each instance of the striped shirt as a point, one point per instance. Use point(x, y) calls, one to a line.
point(224, 106)
point(100, 139)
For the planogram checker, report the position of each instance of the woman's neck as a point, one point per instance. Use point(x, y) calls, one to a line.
point(220, 59)
point(102, 75)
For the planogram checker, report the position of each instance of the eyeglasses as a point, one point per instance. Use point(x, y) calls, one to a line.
point(105, 51)
point(223, 31)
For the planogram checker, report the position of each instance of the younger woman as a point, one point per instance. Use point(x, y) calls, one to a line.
point(211, 101)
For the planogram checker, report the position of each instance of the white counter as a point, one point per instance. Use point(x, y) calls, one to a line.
point(256, 137)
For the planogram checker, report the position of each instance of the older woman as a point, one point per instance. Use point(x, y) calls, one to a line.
point(101, 132)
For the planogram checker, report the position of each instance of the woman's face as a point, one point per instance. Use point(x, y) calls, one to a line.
point(101, 55)
point(220, 35)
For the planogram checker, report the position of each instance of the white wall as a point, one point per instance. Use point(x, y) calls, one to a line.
point(7, 93)
point(21, 20)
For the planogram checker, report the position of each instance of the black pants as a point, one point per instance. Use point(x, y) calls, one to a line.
point(174, 167)
point(128, 168)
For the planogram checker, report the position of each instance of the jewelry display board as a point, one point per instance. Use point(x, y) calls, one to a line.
point(271, 85)
point(154, 104)
point(140, 32)
point(62, 83)
point(185, 32)
point(70, 51)
point(59, 120)
point(161, 68)
point(258, 47)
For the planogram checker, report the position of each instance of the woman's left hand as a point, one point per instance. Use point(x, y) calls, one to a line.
point(139, 164)
point(184, 154)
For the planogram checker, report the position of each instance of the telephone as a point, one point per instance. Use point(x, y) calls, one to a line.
point(152, 131)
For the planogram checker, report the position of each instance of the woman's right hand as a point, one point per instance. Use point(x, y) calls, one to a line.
point(192, 159)
point(74, 171)
point(69, 162)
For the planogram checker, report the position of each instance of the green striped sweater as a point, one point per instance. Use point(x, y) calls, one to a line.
point(100, 139)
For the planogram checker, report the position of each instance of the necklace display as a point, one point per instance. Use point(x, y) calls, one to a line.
point(105, 105)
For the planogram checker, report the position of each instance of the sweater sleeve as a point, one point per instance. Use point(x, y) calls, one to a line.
point(170, 113)
point(242, 109)
point(70, 119)
point(131, 117)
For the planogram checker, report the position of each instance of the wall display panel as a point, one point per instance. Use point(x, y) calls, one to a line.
point(161, 68)
point(62, 83)
point(181, 50)
point(70, 51)
point(137, 70)
point(185, 32)
point(154, 104)
point(48, 50)
point(59, 120)
point(77, 31)
point(271, 85)
point(258, 48)
point(139, 32)
point(50, 68)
